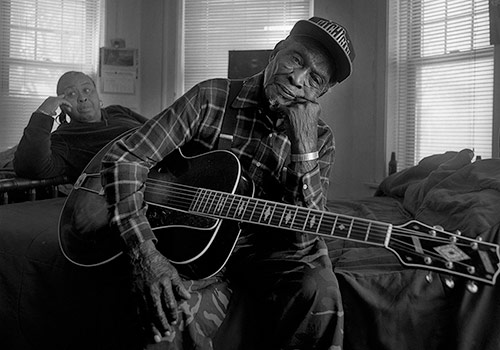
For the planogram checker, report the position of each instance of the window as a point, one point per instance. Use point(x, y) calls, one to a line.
point(440, 78)
point(40, 40)
point(213, 27)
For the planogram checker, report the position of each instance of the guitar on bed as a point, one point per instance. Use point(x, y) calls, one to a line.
point(195, 205)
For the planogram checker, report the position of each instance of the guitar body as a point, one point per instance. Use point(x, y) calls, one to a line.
point(198, 246)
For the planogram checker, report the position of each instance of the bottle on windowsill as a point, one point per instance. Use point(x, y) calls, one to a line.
point(478, 158)
point(393, 164)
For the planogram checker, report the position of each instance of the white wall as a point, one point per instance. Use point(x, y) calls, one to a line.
point(356, 108)
point(122, 22)
point(153, 27)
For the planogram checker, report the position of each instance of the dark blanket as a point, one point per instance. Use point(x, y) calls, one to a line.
point(46, 302)
point(391, 307)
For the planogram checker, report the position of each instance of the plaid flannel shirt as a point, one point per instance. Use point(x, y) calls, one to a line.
point(196, 118)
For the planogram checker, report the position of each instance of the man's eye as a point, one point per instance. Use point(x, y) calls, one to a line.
point(317, 80)
point(71, 94)
point(87, 90)
point(296, 60)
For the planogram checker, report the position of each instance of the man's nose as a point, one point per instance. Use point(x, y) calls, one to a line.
point(82, 98)
point(298, 77)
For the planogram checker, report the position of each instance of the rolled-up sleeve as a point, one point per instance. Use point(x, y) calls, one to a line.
point(125, 167)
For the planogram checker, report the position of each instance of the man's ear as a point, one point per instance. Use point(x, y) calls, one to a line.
point(330, 85)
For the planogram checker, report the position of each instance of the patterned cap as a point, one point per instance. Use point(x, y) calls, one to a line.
point(334, 38)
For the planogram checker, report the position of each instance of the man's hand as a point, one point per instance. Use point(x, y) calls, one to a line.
point(301, 121)
point(52, 103)
point(157, 286)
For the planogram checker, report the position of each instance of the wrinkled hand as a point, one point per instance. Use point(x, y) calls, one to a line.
point(301, 121)
point(50, 105)
point(157, 286)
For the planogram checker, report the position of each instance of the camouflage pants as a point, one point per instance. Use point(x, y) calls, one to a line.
point(296, 303)
point(200, 316)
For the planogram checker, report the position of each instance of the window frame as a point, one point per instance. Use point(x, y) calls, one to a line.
point(404, 142)
point(20, 100)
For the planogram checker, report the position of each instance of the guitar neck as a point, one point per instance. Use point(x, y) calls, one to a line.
point(289, 217)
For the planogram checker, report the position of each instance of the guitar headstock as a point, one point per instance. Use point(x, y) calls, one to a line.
point(432, 248)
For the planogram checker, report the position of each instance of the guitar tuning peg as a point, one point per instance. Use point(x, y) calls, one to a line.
point(435, 228)
point(472, 287)
point(429, 277)
point(450, 283)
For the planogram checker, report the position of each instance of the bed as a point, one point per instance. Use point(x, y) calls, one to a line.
point(48, 302)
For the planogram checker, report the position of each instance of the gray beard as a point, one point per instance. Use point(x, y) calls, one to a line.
point(273, 104)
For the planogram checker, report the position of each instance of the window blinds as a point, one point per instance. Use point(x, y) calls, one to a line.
point(40, 40)
point(440, 78)
point(213, 27)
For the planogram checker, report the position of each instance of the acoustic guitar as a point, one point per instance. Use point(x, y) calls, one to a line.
point(195, 205)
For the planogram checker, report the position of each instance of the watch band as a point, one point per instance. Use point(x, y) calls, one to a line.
point(304, 157)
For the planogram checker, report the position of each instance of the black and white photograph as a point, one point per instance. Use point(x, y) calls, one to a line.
point(250, 174)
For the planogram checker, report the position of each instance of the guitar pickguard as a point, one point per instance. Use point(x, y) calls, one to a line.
point(161, 217)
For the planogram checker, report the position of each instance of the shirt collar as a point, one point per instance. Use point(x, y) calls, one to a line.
point(251, 93)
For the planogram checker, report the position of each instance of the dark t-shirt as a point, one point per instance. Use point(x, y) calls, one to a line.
point(67, 151)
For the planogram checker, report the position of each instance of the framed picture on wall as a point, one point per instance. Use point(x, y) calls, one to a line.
point(119, 68)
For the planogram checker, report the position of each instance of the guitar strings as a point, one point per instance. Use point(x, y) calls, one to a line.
point(183, 192)
point(184, 196)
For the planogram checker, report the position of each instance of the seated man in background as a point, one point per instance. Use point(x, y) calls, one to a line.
point(66, 151)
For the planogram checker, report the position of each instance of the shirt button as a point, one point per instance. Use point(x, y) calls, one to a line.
point(258, 164)
point(304, 187)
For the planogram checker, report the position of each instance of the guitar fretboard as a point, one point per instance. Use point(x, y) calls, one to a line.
point(258, 211)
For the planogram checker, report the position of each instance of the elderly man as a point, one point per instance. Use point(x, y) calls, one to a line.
point(286, 150)
point(42, 154)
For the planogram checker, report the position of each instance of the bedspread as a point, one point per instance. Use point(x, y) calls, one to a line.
point(47, 302)
point(391, 307)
